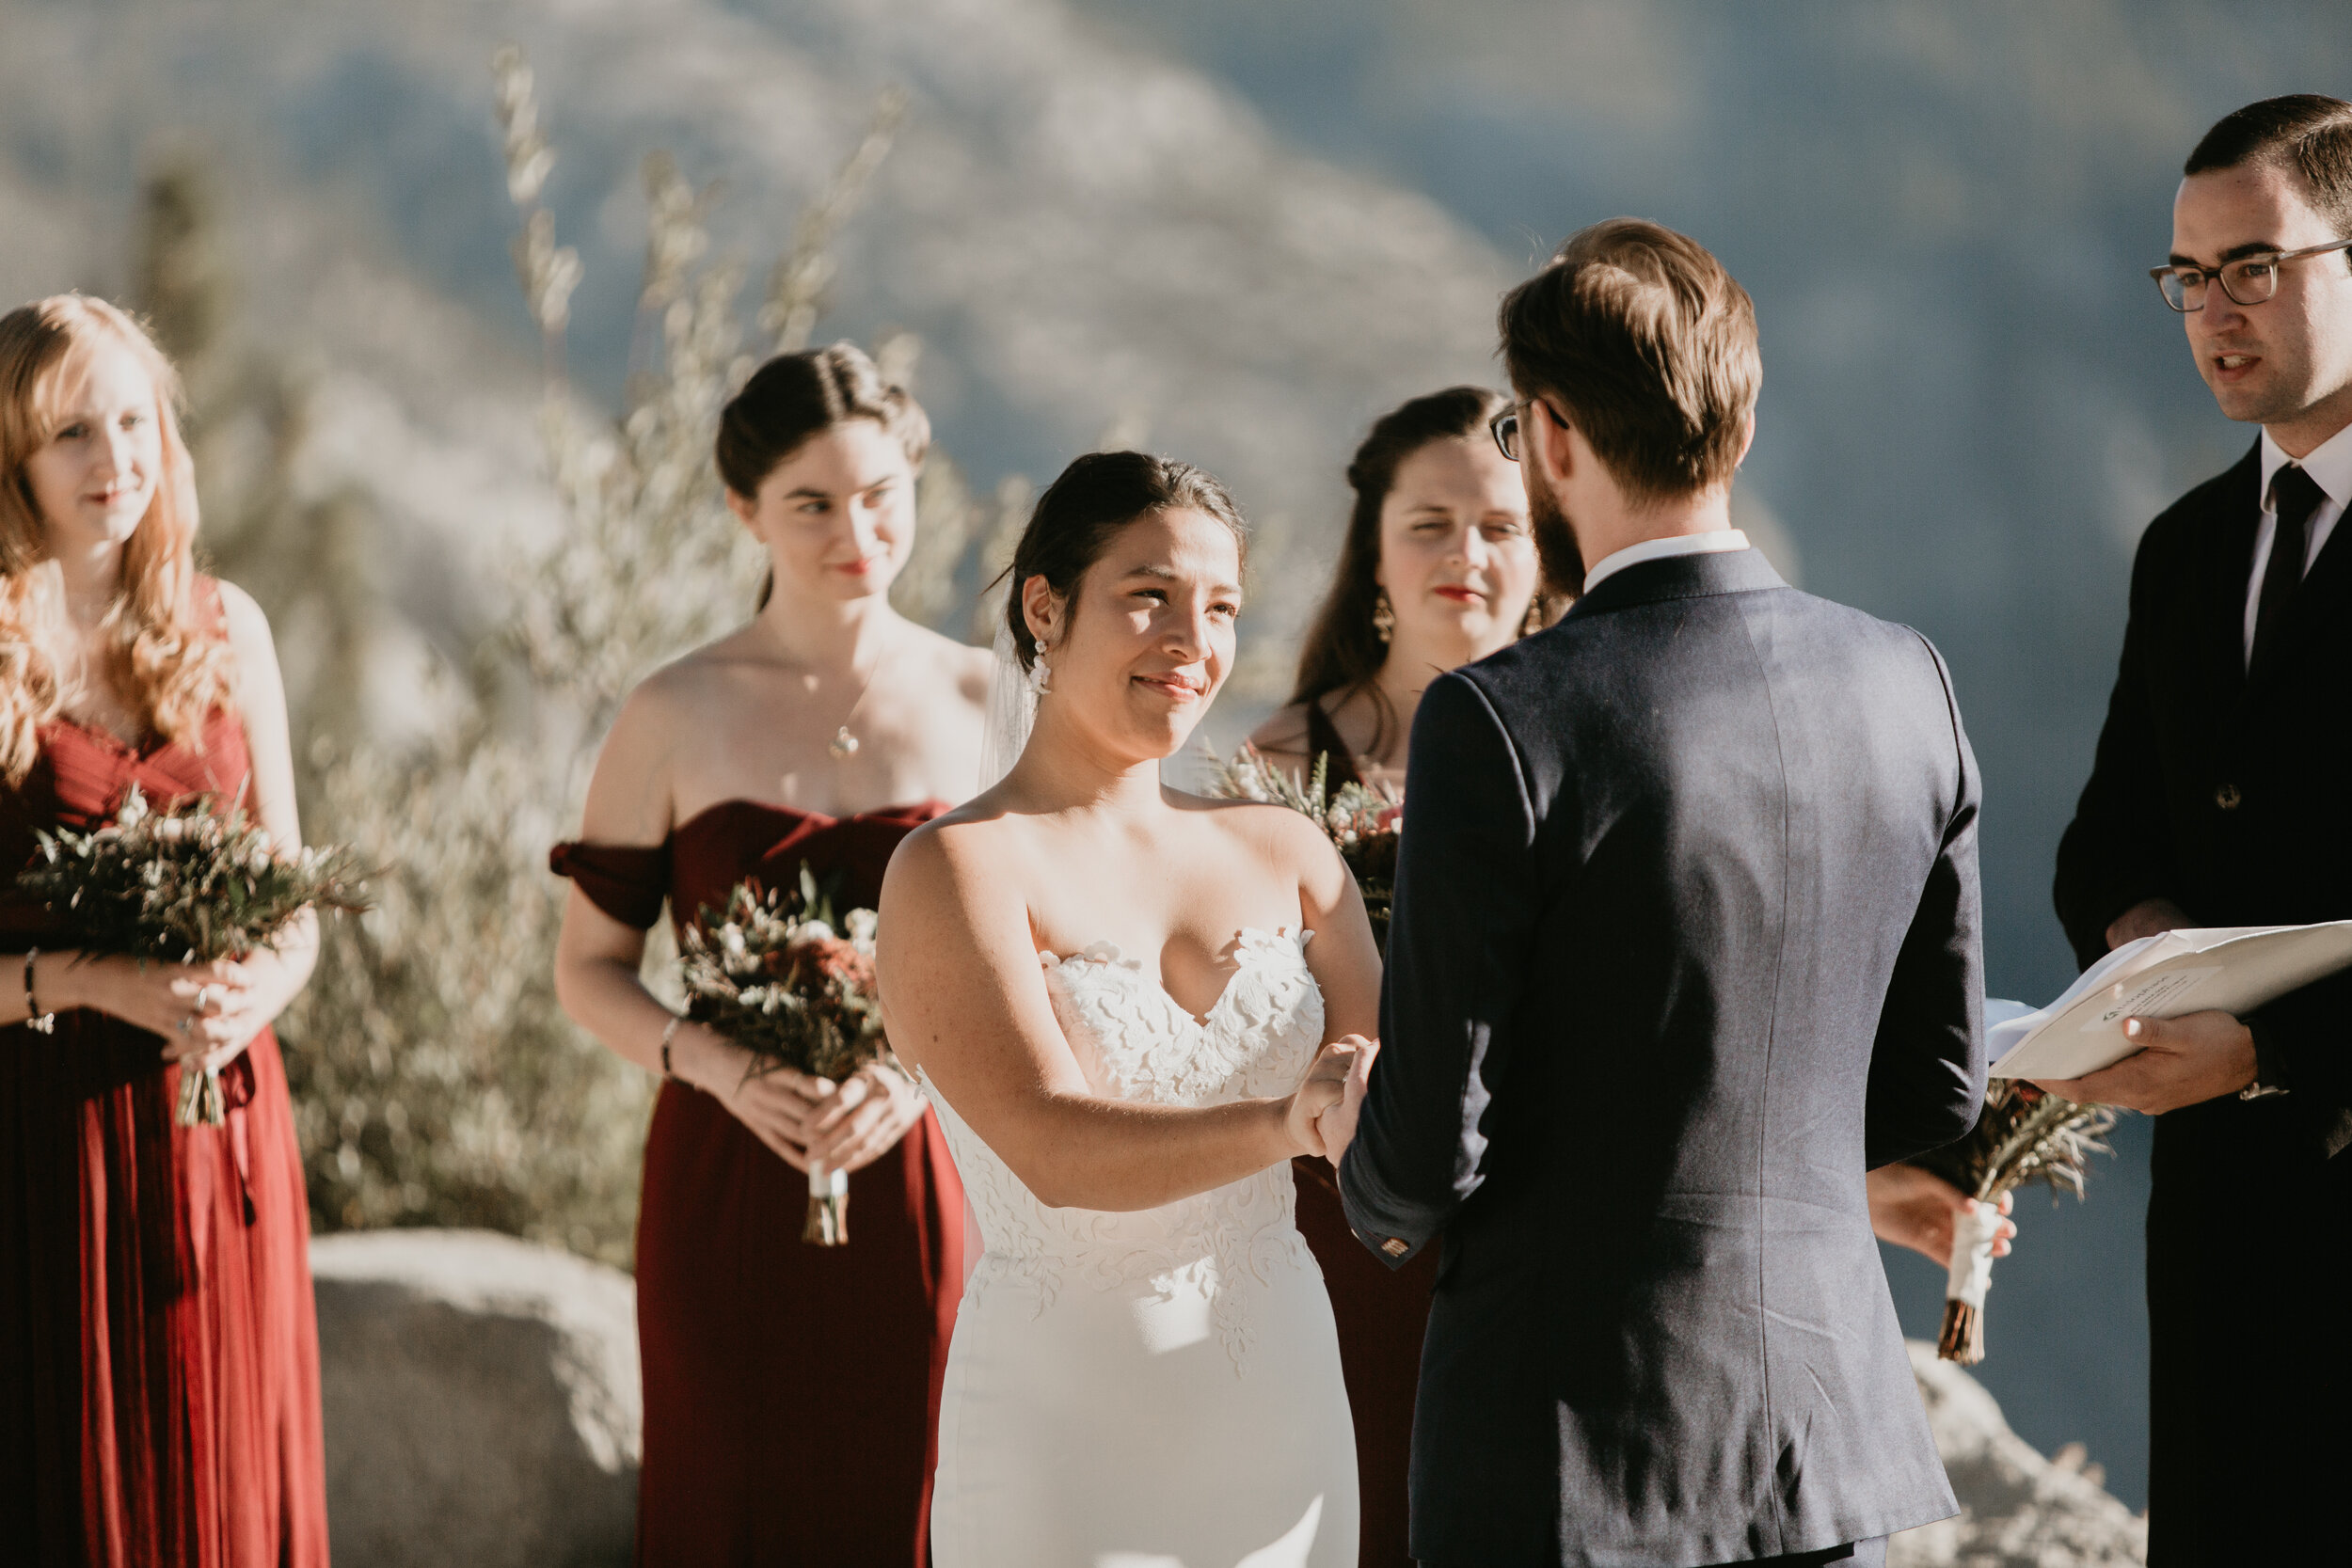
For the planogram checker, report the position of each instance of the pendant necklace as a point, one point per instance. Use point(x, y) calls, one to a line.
point(844, 744)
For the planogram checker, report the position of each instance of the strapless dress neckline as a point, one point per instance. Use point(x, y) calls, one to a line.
point(1158, 1385)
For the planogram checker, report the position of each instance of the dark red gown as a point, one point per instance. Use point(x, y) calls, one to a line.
point(1381, 1313)
point(791, 1391)
point(159, 1369)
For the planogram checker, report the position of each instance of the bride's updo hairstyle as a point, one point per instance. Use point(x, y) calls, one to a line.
point(796, 397)
point(1083, 510)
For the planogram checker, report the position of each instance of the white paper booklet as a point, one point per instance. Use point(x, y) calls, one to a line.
point(2235, 968)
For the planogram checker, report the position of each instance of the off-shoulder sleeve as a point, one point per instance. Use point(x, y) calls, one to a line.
point(627, 881)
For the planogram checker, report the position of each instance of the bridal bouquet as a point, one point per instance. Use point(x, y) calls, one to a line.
point(775, 974)
point(1361, 823)
point(2024, 1136)
point(189, 883)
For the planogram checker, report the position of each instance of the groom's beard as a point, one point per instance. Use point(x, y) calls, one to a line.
point(1556, 548)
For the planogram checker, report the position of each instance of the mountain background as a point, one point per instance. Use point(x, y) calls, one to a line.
point(1238, 231)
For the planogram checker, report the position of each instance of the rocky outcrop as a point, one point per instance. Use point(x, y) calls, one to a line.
point(2018, 1510)
point(482, 1401)
point(483, 1408)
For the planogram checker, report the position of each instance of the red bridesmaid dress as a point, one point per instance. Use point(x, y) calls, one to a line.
point(159, 1367)
point(1382, 1313)
point(791, 1391)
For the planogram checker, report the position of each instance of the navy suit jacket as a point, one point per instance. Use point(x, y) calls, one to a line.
point(1685, 940)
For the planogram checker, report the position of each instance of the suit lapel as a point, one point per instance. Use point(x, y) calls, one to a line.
point(2229, 567)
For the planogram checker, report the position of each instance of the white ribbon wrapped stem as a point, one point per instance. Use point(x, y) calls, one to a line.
point(1973, 1235)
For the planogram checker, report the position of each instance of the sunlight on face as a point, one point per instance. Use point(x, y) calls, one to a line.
point(1455, 553)
point(2269, 362)
point(838, 516)
point(1146, 641)
point(95, 477)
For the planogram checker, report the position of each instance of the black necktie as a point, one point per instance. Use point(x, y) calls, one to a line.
point(2297, 495)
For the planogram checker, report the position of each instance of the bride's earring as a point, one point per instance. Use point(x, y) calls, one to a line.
point(1040, 678)
point(1383, 617)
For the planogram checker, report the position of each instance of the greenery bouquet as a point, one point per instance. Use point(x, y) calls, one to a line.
point(1360, 822)
point(2025, 1136)
point(776, 973)
point(187, 883)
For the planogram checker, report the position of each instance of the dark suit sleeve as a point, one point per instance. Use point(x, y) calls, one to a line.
point(2118, 850)
point(1928, 1065)
point(2305, 1046)
point(1466, 903)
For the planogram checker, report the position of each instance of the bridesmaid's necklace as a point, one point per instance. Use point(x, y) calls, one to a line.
point(844, 744)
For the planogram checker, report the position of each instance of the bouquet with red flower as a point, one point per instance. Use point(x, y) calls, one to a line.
point(1361, 822)
point(778, 974)
point(190, 882)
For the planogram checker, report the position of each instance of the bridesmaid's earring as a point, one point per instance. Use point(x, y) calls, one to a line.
point(1533, 621)
point(1040, 678)
point(1383, 617)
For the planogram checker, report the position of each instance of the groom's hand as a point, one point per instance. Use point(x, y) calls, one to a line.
point(1919, 1210)
point(1338, 1122)
point(1324, 1087)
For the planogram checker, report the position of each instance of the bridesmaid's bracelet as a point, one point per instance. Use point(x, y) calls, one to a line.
point(668, 1033)
point(40, 1023)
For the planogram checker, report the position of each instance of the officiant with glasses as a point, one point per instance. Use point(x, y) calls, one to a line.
point(2221, 795)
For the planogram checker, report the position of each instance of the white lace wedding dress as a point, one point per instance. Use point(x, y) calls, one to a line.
point(1158, 1389)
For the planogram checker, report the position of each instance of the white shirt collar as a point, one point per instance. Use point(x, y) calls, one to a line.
point(2329, 464)
point(1711, 543)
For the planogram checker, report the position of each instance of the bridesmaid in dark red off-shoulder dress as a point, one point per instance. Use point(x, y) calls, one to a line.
point(790, 1389)
point(159, 1369)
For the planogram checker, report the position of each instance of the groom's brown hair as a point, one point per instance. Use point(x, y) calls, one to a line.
point(1638, 336)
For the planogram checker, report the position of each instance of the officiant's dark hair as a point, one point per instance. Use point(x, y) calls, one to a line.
point(1343, 651)
point(2306, 131)
point(1085, 507)
point(1640, 338)
point(795, 397)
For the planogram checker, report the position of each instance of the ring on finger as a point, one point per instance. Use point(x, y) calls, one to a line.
point(187, 1024)
point(204, 998)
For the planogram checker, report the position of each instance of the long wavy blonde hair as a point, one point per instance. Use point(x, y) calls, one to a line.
point(170, 660)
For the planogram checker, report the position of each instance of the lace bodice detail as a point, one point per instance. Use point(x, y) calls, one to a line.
point(1136, 1043)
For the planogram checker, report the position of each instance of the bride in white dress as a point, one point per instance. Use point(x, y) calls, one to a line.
point(1131, 1006)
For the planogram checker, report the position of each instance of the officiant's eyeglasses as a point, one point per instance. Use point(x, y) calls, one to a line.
point(2247, 279)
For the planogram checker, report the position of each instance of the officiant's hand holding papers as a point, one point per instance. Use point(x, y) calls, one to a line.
point(2181, 1061)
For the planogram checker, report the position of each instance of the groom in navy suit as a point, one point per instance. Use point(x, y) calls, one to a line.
point(1685, 941)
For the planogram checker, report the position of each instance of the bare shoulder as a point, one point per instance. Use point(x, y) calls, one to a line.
point(1285, 732)
point(960, 855)
point(690, 689)
point(243, 621)
point(1274, 834)
point(959, 665)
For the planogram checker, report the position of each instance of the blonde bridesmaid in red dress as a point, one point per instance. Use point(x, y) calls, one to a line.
point(1438, 570)
point(159, 1375)
point(790, 1389)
